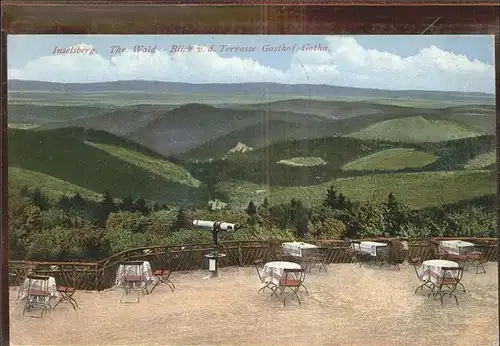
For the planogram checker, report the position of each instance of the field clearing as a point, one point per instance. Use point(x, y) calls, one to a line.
point(52, 187)
point(303, 161)
point(156, 166)
point(392, 159)
point(417, 190)
point(22, 126)
point(414, 129)
point(482, 161)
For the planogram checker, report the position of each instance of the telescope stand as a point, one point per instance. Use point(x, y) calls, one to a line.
point(213, 264)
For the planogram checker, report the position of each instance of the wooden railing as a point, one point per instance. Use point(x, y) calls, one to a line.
point(100, 275)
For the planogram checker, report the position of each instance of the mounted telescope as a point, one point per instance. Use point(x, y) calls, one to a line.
point(216, 227)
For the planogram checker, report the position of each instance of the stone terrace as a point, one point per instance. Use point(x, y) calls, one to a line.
point(347, 306)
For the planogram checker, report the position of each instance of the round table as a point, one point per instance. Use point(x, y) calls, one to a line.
point(431, 270)
point(273, 271)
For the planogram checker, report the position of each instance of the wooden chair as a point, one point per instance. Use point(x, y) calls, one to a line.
point(448, 282)
point(361, 257)
point(162, 275)
point(292, 279)
point(38, 295)
point(133, 279)
point(282, 255)
point(347, 246)
point(67, 292)
point(317, 260)
point(382, 255)
point(259, 265)
point(436, 251)
point(416, 262)
point(476, 259)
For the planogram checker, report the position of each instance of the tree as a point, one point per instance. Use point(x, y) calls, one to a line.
point(77, 202)
point(263, 209)
point(106, 207)
point(127, 204)
point(181, 220)
point(64, 204)
point(141, 207)
point(297, 217)
point(156, 207)
point(394, 215)
point(251, 210)
point(39, 199)
point(336, 200)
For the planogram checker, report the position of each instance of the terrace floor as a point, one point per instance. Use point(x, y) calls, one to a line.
point(347, 306)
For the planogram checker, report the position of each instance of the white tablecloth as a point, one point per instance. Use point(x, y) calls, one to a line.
point(133, 270)
point(457, 247)
point(431, 270)
point(368, 247)
point(38, 285)
point(299, 249)
point(273, 271)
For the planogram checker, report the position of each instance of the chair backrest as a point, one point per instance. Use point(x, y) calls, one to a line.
point(297, 274)
point(129, 270)
point(479, 253)
point(381, 251)
point(356, 245)
point(38, 277)
point(416, 263)
point(42, 283)
point(455, 273)
point(132, 263)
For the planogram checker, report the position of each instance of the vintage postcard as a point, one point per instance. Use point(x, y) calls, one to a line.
point(169, 170)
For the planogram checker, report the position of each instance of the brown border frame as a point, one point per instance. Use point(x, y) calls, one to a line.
point(223, 17)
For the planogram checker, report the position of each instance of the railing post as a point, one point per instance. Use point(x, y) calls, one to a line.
point(240, 254)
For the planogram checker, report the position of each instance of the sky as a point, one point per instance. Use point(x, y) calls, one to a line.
point(423, 62)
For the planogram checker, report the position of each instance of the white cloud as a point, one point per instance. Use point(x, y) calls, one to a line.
point(345, 63)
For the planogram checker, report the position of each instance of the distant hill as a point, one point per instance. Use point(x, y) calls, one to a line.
point(415, 129)
point(481, 118)
point(98, 162)
point(40, 114)
point(120, 121)
point(403, 124)
point(242, 88)
point(328, 109)
point(192, 125)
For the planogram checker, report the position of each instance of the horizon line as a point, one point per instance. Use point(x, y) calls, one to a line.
point(243, 83)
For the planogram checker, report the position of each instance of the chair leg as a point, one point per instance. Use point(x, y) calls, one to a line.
point(171, 283)
point(302, 284)
point(463, 287)
point(296, 293)
point(480, 265)
point(324, 267)
point(154, 286)
point(60, 299)
point(73, 302)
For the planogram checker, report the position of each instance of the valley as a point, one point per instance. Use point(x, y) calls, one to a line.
point(184, 144)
